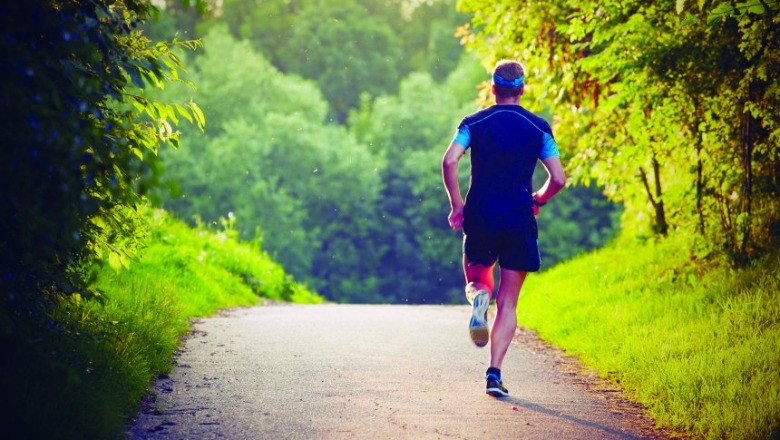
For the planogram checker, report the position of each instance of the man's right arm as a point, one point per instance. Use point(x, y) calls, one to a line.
point(449, 171)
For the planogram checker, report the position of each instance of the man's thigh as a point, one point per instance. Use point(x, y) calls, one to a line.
point(480, 247)
point(518, 250)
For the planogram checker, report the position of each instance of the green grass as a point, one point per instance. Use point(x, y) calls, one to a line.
point(84, 371)
point(698, 343)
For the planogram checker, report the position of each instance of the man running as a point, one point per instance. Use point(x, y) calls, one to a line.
point(498, 216)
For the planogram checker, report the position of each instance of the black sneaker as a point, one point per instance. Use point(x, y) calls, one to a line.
point(495, 387)
point(478, 325)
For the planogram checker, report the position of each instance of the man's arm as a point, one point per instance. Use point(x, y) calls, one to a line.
point(449, 171)
point(554, 183)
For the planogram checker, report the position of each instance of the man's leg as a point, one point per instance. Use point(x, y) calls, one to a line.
point(480, 276)
point(506, 315)
point(504, 328)
point(479, 290)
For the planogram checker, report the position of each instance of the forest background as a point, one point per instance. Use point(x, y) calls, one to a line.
point(327, 123)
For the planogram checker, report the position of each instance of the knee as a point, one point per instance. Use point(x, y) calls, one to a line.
point(506, 304)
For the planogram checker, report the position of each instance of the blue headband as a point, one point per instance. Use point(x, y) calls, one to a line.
point(497, 80)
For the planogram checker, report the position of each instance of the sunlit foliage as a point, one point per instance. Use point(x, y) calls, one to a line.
point(357, 210)
point(673, 106)
point(76, 137)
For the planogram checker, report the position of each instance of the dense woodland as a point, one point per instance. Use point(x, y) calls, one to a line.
point(326, 122)
point(326, 126)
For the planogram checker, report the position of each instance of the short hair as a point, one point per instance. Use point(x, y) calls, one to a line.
point(509, 70)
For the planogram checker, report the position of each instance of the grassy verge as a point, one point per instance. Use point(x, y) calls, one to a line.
point(698, 344)
point(80, 370)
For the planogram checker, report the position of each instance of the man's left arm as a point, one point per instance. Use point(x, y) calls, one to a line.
point(556, 180)
point(551, 159)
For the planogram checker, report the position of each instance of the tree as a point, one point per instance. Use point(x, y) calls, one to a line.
point(420, 257)
point(267, 25)
point(346, 51)
point(428, 37)
point(77, 138)
point(359, 214)
point(647, 89)
point(305, 188)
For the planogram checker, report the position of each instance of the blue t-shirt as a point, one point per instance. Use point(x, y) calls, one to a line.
point(505, 142)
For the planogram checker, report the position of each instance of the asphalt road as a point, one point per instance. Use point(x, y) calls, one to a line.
point(371, 372)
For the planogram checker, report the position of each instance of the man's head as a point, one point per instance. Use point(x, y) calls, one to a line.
point(508, 79)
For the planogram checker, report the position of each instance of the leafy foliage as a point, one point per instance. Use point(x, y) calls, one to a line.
point(421, 255)
point(295, 183)
point(366, 47)
point(348, 47)
point(84, 375)
point(357, 210)
point(79, 142)
point(76, 138)
point(673, 106)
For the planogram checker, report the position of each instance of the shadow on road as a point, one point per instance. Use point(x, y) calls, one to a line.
point(553, 413)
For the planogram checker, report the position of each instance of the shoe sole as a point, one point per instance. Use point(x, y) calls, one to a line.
point(496, 392)
point(478, 326)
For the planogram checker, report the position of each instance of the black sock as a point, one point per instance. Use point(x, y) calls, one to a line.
point(494, 371)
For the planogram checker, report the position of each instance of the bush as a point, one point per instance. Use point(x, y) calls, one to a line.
point(79, 370)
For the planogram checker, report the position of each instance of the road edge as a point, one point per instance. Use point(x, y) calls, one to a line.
point(589, 380)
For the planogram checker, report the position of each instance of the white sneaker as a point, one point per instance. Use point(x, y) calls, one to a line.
point(471, 292)
point(478, 325)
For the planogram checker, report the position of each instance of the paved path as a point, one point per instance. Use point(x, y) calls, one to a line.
point(366, 372)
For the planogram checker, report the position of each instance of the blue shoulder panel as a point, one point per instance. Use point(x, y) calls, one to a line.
point(549, 147)
point(463, 136)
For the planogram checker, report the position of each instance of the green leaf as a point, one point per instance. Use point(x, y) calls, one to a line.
point(756, 8)
point(723, 10)
point(151, 79)
point(98, 221)
point(159, 110)
point(183, 111)
point(175, 60)
point(174, 141)
point(114, 261)
point(690, 20)
point(172, 115)
point(680, 6)
point(136, 77)
point(198, 113)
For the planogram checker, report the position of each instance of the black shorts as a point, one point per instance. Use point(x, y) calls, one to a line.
point(515, 247)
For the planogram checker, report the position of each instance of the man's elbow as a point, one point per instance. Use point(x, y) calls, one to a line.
point(558, 180)
point(449, 162)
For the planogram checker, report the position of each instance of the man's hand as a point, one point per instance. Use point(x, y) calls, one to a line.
point(536, 210)
point(456, 218)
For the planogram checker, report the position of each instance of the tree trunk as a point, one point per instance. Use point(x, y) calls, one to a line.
point(660, 213)
point(743, 223)
point(699, 135)
point(657, 201)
